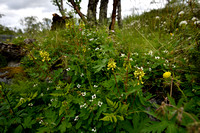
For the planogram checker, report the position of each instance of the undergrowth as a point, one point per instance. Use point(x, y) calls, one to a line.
point(143, 78)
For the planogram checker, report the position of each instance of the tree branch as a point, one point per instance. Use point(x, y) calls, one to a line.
point(78, 11)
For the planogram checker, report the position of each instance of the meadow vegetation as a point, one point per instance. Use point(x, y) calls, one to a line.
point(142, 78)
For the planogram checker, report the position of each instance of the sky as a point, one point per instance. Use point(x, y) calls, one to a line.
point(14, 10)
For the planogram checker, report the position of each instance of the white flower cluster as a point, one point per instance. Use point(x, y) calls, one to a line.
point(157, 17)
point(100, 103)
point(83, 106)
point(183, 23)
point(76, 118)
point(196, 21)
point(181, 13)
point(94, 129)
point(83, 94)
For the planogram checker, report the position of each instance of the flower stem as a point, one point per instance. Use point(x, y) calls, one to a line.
point(116, 83)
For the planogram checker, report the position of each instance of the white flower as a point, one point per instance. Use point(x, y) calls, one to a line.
point(21, 98)
point(42, 94)
point(91, 39)
point(181, 13)
point(82, 74)
point(96, 48)
point(95, 86)
point(67, 69)
point(30, 104)
point(47, 88)
point(94, 96)
point(165, 51)
point(149, 69)
point(194, 19)
point(150, 52)
point(157, 17)
point(173, 66)
point(78, 86)
point(81, 106)
point(166, 61)
point(157, 57)
point(197, 22)
point(135, 53)
point(76, 118)
point(94, 129)
point(112, 31)
point(41, 121)
point(90, 100)
point(35, 85)
point(51, 100)
point(131, 59)
point(122, 55)
point(83, 93)
point(183, 23)
point(100, 103)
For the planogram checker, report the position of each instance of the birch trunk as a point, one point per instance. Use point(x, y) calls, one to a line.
point(91, 13)
point(119, 17)
point(103, 12)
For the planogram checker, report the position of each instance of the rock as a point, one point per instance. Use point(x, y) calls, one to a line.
point(11, 52)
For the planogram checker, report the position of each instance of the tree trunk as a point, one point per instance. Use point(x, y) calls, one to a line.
point(119, 15)
point(91, 13)
point(112, 25)
point(103, 12)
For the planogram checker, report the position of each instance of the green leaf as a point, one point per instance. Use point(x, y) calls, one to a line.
point(28, 122)
point(78, 124)
point(121, 118)
point(124, 109)
point(64, 124)
point(126, 125)
point(100, 65)
point(109, 102)
point(156, 127)
point(171, 128)
point(19, 129)
point(171, 100)
point(134, 89)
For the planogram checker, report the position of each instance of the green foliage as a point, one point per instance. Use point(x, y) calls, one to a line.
point(69, 88)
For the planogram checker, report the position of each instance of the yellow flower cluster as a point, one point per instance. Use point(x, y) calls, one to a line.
point(111, 64)
point(45, 56)
point(31, 57)
point(139, 73)
point(84, 49)
point(69, 24)
point(166, 75)
point(127, 64)
point(82, 25)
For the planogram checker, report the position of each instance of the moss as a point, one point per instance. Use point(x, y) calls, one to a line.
point(11, 71)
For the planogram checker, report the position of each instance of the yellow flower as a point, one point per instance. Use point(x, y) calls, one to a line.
point(82, 25)
point(84, 49)
point(111, 64)
point(166, 75)
point(127, 63)
point(44, 55)
point(139, 73)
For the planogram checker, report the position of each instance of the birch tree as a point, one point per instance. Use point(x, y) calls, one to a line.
point(103, 12)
